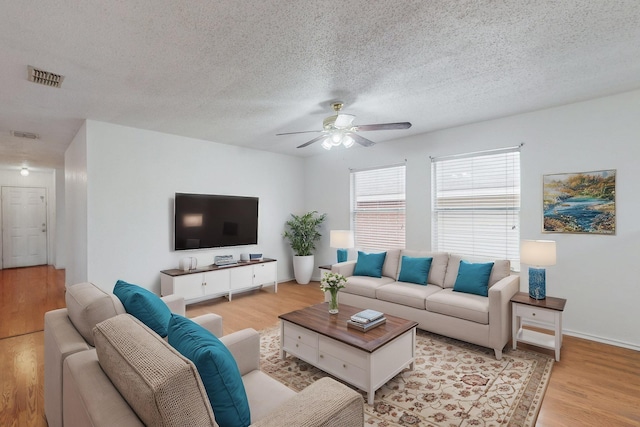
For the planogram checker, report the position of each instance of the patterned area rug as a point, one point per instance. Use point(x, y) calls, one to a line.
point(453, 384)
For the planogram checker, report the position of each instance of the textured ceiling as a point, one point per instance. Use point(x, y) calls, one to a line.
point(238, 72)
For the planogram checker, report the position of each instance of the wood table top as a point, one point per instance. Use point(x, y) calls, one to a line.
point(317, 319)
point(175, 272)
point(549, 302)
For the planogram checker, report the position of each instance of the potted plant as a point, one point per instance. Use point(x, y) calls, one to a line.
point(302, 233)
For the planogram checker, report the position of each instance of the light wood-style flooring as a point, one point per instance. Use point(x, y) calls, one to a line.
point(593, 384)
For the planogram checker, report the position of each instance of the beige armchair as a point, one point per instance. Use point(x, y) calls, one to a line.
point(70, 330)
point(111, 385)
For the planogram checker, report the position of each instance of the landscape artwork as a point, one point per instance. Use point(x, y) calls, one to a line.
point(582, 202)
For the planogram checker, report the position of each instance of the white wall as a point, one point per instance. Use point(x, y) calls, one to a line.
point(75, 178)
point(60, 240)
point(132, 177)
point(41, 179)
point(594, 273)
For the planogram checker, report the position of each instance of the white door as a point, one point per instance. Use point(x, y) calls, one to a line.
point(24, 226)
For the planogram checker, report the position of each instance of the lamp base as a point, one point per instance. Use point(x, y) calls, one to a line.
point(342, 255)
point(537, 283)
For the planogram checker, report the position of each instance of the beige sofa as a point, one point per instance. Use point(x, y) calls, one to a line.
point(113, 385)
point(70, 330)
point(485, 321)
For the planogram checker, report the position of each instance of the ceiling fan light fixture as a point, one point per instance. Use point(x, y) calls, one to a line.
point(339, 130)
point(336, 138)
point(347, 141)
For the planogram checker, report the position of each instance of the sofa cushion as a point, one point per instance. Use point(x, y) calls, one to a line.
point(217, 368)
point(408, 294)
point(473, 278)
point(365, 286)
point(264, 393)
point(457, 304)
point(391, 264)
point(88, 305)
point(414, 270)
point(144, 305)
point(501, 269)
point(161, 386)
point(438, 264)
point(369, 264)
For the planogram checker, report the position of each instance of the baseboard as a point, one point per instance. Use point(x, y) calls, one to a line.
point(293, 279)
point(589, 337)
point(602, 340)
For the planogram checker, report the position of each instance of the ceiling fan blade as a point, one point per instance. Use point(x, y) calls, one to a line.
point(384, 126)
point(361, 140)
point(312, 141)
point(294, 133)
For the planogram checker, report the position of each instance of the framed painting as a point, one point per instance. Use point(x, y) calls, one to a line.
point(583, 202)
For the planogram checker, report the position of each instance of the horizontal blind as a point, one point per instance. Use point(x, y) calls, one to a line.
point(378, 207)
point(476, 204)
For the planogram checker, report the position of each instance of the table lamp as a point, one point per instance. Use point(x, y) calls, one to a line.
point(537, 254)
point(342, 240)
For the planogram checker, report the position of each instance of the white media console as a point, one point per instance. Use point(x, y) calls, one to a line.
point(214, 281)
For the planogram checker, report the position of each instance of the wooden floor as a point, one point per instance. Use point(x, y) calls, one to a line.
point(25, 295)
point(593, 384)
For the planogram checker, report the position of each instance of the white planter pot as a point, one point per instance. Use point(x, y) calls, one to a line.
point(303, 268)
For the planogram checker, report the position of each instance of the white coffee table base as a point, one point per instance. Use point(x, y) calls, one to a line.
point(366, 370)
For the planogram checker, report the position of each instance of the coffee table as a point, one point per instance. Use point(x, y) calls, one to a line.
point(366, 360)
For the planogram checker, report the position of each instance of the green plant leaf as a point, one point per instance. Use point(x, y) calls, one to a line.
point(302, 232)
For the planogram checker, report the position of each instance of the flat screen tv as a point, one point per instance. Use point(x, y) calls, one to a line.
point(212, 221)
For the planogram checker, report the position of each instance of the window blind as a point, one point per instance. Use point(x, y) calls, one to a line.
point(476, 204)
point(378, 207)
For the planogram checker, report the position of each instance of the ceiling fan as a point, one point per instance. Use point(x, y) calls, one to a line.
point(340, 130)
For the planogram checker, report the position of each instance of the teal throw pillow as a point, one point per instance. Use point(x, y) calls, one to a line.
point(414, 270)
point(473, 278)
point(369, 264)
point(144, 305)
point(217, 368)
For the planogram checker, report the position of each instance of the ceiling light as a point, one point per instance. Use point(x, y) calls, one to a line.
point(336, 138)
point(24, 171)
point(347, 141)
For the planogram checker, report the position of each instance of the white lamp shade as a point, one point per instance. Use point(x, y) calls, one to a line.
point(538, 252)
point(341, 239)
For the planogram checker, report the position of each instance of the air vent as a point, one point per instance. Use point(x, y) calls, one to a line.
point(44, 77)
point(27, 135)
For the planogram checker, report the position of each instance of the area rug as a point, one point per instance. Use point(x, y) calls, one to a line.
point(453, 384)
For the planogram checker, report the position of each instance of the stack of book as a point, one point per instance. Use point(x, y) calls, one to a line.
point(366, 319)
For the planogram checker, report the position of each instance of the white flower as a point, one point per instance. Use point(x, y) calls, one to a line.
point(332, 281)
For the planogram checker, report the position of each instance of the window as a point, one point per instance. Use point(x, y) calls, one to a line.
point(378, 207)
point(476, 204)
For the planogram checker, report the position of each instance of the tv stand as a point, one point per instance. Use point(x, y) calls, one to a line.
point(215, 281)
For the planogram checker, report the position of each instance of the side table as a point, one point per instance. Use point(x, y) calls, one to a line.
point(324, 269)
point(547, 311)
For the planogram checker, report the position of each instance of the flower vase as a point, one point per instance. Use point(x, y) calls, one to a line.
point(333, 302)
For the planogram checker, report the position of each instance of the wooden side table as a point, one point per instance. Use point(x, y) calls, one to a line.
point(547, 311)
point(324, 269)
